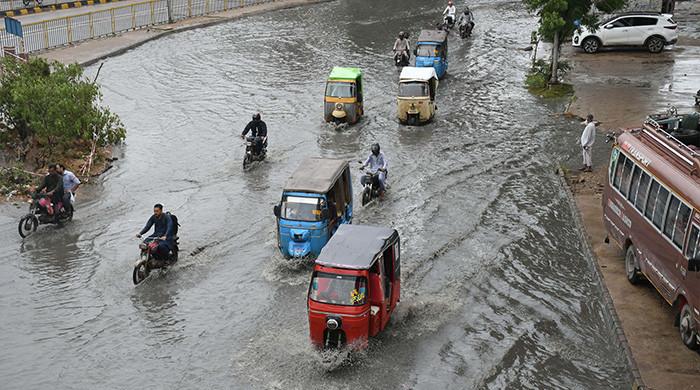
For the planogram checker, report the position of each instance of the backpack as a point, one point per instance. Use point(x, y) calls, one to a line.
point(176, 225)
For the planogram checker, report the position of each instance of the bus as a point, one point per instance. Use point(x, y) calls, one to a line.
point(651, 206)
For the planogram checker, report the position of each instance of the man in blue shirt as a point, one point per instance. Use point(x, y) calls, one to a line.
point(70, 185)
point(163, 231)
point(376, 163)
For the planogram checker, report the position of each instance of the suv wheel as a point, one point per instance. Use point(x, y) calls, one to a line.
point(655, 44)
point(590, 45)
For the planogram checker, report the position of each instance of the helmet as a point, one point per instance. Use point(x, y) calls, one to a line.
point(402, 35)
point(375, 149)
point(256, 117)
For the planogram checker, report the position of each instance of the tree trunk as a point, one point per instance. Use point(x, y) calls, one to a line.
point(554, 79)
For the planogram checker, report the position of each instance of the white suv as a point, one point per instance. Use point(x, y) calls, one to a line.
point(651, 30)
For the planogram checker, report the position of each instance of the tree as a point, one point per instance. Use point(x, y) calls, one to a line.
point(54, 106)
point(558, 17)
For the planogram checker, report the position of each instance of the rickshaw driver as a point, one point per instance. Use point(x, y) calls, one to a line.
point(450, 12)
point(377, 163)
point(402, 45)
point(258, 129)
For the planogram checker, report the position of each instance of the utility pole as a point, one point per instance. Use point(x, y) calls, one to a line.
point(170, 10)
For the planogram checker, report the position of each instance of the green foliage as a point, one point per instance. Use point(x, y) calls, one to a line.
point(54, 106)
point(559, 15)
point(14, 181)
point(537, 81)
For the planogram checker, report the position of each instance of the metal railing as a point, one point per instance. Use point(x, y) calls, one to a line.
point(67, 30)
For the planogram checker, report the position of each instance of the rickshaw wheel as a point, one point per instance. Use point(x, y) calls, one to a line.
point(27, 225)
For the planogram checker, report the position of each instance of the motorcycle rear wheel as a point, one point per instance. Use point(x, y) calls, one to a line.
point(366, 196)
point(27, 225)
point(141, 272)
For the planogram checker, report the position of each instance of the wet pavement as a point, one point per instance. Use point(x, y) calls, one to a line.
point(497, 292)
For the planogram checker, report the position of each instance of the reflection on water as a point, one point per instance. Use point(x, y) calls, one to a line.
point(496, 288)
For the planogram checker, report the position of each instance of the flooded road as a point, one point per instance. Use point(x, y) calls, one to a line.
point(497, 291)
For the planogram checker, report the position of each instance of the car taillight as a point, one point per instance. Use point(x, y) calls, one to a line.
point(671, 27)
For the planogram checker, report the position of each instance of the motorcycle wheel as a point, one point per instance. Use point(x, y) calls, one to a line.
point(26, 2)
point(366, 196)
point(27, 225)
point(141, 272)
point(67, 215)
point(247, 160)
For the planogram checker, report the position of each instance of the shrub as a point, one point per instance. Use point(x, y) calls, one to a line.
point(54, 107)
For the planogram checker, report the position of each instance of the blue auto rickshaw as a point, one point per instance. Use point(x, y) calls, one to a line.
point(316, 200)
point(431, 50)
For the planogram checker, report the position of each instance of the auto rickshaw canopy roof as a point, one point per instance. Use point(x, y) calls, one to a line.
point(316, 175)
point(409, 73)
point(356, 246)
point(437, 36)
point(339, 73)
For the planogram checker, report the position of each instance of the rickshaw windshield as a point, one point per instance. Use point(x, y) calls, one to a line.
point(346, 290)
point(340, 90)
point(411, 89)
point(427, 51)
point(298, 208)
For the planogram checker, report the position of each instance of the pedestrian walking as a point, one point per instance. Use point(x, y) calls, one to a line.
point(587, 140)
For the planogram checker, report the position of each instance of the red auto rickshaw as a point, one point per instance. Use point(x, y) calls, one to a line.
point(355, 286)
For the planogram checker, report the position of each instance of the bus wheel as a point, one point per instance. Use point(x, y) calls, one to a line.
point(687, 328)
point(632, 266)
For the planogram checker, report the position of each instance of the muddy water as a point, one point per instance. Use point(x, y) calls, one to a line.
point(497, 292)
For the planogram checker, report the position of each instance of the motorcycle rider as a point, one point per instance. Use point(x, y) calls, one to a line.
point(450, 12)
point(466, 18)
point(70, 185)
point(377, 164)
point(53, 186)
point(163, 231)
point(258, 130)
point(402, 46)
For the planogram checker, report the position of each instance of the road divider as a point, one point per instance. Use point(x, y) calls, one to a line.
point(67, 30)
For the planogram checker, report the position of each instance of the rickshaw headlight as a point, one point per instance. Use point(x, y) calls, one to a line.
point(339, 106)
point(332, 324)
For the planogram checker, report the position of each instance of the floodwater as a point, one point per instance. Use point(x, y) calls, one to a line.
point(497, 290)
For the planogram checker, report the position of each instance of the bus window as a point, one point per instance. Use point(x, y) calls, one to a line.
point(692, 249)
point(635, 184)
point(613, 159)
point(626, 177)
point(643, 191)
point(653, 192)
point(681, 225)
point(671, 216)
point(660, 207)
point(618, 171)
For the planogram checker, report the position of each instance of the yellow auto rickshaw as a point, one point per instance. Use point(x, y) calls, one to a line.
point(416, 100)
point(343, 100)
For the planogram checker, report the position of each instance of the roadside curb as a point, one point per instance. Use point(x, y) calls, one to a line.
point(637, 381)
point(164, 29)
point(53, 7)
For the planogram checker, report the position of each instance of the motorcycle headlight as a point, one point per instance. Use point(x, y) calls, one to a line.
point(143, 246)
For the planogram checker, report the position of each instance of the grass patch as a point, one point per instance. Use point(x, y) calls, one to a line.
point(552, 91)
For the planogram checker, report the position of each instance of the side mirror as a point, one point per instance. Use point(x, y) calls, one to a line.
point(694, 264)
point(276, 210)
point(608, 26)
point(415, 51)
point(324, 214)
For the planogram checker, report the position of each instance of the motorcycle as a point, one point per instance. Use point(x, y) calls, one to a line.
point(39, 215)
point(446, 24)
point(149, 260)
point(465, 30)
point(371, 189)
point(401, 59)
point(250, 150)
